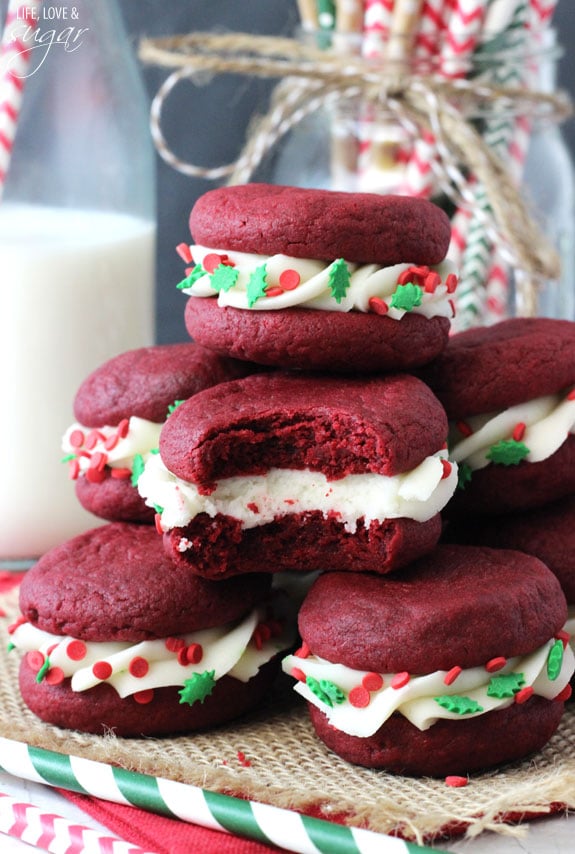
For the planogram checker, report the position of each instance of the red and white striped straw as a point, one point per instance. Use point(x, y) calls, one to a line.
point(50, 832)
point(14, 64)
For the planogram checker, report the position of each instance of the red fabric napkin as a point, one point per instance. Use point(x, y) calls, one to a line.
point(160, 834)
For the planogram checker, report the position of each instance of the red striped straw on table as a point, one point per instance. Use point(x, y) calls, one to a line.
point(14, 66)
point(50, 832)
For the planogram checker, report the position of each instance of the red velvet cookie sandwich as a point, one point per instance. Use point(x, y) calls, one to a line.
point(458, 663)
point(509, 393)
point(120, 409)
point(299, 472)
point(319, 280)
point(117, 638)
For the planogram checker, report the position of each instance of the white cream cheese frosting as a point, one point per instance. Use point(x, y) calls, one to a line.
point(425, 699)
point(259, 499)
point(536, 428)
point(260, 282)
point(116, 447)
point(237, 650)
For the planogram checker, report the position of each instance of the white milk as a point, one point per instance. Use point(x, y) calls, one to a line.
point(76, 288)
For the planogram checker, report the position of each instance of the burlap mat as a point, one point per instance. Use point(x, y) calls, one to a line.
point(288, 767)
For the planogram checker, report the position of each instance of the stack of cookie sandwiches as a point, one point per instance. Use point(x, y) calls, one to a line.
point(116, 637)
point(415, 658)
point(316, 442)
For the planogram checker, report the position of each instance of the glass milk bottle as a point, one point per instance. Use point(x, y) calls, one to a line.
point(77, 244)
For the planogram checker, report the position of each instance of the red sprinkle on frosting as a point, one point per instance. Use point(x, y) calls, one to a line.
point(447, 467)
point(431, 281)
point(452, 675)
point(194, 653)
point(274, 291)
point(183, 251)
point(565, 694)
point(77, 438)
point(451, 283)
point(523, 695)
point(120, 474)
point(518, 432)
point(144, 697)
point(213, 260)
point(378, 306)
point(359, 697)
point(464, 428)
point(289, 279)
point(372, 681)
point(35, 660)
point(74, 469)
point(400, 679)
point(174, 644)
point(19, 622)
point(138, 667)
point(298, 674)
point(158, 523)
point(123, 428)
point(303, 651)
point(495, 664)
point(102, 670)
point(564, 636)
point(571, 395)
point(455, 781)
point(76, 650)
point(54, 676)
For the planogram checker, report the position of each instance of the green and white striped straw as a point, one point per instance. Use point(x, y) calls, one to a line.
point(250, 819)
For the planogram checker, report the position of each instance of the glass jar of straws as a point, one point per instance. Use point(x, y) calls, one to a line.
point(472, 46)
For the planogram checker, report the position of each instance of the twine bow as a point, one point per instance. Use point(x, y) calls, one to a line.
point(312, 79)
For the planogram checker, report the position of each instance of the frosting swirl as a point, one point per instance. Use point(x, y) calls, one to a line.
point(259, 282)
point(358, 702)
point(259, 499)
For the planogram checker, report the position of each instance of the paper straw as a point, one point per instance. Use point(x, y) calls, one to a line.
point(14, 65)
point(251, 819)
point(464, 26)
point(53, 833)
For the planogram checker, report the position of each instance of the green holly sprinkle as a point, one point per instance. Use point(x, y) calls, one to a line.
point(464, 472)
point(332, 690)
point(197, 273)
point(508, 452)
point(505, 685)
point(67, 458)
point(154, 451)
point(174, 406)
point(406, 297)
point(197, 687)
point(555, 660)
point(316, 688)
point(223, 278)
point(459, 705)
point(257, 284)
point(43, 670)
point(339, 279)
point(159, 510)
point(137, 469)
point(10, 646)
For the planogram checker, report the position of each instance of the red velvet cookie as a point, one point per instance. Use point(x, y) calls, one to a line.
point(287, 472)
point(509, 392)
point(456, 664)
point(120, 408)
point(319, 280)
point(116, 637)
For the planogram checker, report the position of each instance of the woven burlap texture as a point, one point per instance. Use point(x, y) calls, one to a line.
point(288, 767)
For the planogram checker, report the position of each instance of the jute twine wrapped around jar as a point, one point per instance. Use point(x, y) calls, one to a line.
point(313, 79)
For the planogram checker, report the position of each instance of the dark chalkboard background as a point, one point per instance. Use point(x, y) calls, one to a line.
point(207, 125)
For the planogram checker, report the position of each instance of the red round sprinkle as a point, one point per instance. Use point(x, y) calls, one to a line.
point(372, 681)
point(303, 651)
point(464, 428)
point(565, 694)
point(92, 439)
point(451, 675)
point(138, 667)
point(95, 475)
point(456, 782)
point(98, 461)
point(274, 291)
point(74, 469)
point(378, 306)
point(253, 507)
point(495, 664)
point(523, 695)
point(518, 432)
point(144, 697)
point(359, 697)
point(102, 670)
point(120, 474)
point(447, 467)
point(123, 428)
point(35, 660)
point(158, 523)
point(212, 261)
point(298, 674)
point(51, 649)
point(111, 442)
point(55, 676)
point(194, 653)
point(289, 279)
point(452, 307)
point(571, 395)
point(431, 281)
point(564, 636)
point(174, 644)
point(76, 650)
point(400, 679)
point(451, 283)
point(19, 622)
point(77, 438)
point(183, 251)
